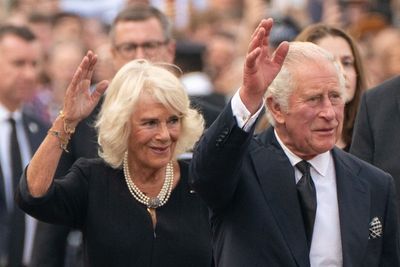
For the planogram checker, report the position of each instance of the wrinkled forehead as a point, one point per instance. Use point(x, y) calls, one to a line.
point(143, 30)
point(318, 75)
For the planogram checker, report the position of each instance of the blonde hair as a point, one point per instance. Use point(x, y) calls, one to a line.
point(125, 90)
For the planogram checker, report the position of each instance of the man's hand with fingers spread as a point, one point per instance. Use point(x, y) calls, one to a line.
point(260, 68)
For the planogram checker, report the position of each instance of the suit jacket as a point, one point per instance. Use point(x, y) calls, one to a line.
point(13, 223)
point(249, 185)
point(377, 129)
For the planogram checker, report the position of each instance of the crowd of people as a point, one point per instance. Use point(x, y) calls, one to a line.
point(219, 133)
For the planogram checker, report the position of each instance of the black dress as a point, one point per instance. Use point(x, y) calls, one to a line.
point(117, 229)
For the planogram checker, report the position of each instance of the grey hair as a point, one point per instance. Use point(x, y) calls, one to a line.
point(125, 90)
point(283, 85)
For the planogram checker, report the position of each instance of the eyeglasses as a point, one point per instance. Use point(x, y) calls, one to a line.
point(129, 50)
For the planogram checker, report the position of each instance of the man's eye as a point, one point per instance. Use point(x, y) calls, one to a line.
point(19, 63)
point(335, 98)
point(314, 99)
point(129, 47)
point(150, 45)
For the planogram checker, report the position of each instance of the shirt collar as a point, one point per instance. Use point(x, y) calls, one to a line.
point(5, 114)
point(320, 162)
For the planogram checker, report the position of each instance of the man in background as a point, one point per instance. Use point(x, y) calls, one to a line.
point(20, 136)
point(377, 127)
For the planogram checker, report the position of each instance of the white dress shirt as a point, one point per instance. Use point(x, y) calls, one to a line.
point(326, 245)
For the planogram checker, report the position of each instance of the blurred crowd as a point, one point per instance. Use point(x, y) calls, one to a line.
point(211, 36)
point(212, 39)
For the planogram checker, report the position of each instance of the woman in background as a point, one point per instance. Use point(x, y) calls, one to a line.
point(345, 50)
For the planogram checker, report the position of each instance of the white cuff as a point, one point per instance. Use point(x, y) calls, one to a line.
point(243, 116)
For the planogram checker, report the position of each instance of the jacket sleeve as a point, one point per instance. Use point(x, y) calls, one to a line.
point(64, 203)
point(217, 159)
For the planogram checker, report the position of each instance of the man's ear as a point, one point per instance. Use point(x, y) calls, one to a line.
point(276, 110)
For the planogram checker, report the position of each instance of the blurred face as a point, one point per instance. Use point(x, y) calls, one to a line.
point(154, 133)
point(392, 62)
point(19, 70)
point(141, 39)
point(313, 121)
point(220, 52)
point(68, 56)
point(43, 32)
point(68, 28)
point(341, 50)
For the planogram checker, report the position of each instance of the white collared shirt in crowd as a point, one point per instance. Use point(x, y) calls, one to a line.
point(5, 163)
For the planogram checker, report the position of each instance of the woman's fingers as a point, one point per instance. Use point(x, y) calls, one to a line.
point(74, 85)
point(101, 87)
point(91, 64)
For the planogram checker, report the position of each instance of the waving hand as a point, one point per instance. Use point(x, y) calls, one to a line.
point(79, 101)
point(260, 68)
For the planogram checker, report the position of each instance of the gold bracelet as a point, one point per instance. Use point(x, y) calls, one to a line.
point(63, 141)
point(67, 128)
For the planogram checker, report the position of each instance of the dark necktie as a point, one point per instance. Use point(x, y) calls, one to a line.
point(307, 198)
point(17, 218)
point(15, 153)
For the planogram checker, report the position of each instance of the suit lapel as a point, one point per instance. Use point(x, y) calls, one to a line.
point(353, 198)
point(276, 177)
point(34, 131)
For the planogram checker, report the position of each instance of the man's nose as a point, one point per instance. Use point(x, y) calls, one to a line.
point(328, 111)
point(30, 71)
point(140, 53)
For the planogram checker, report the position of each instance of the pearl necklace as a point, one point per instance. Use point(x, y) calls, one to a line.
point(150, 202)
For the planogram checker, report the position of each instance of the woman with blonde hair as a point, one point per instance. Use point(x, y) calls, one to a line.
point(134, 204)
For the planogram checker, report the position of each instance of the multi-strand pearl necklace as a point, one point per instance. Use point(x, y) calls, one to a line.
point(151, 202)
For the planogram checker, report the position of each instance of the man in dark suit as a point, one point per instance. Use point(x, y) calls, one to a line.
point(377, 128)
point(139, 31)
point(289, 197)
point(20, 136)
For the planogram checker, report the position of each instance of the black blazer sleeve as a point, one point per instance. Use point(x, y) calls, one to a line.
point(217, 158)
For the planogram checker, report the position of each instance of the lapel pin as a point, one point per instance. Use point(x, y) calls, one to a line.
point(33, 127)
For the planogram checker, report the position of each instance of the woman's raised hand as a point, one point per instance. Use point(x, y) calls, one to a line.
point(79, 100)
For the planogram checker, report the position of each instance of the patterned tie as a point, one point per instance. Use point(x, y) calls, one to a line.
point(307, 198)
